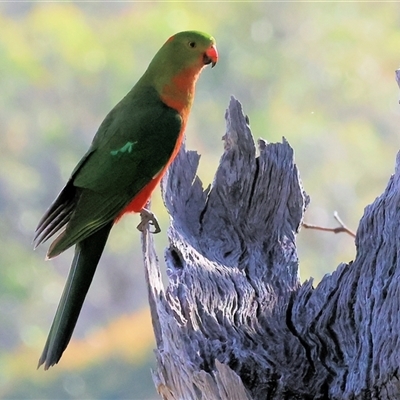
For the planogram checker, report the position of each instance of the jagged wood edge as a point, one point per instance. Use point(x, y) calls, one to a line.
point(240, 146)
point(328, 328)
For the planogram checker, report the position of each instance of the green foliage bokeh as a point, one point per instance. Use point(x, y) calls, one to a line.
point(321, 75)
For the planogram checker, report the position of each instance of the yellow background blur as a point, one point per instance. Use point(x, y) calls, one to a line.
point(320, 74)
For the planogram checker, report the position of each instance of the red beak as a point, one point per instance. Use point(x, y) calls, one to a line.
point(211, 56)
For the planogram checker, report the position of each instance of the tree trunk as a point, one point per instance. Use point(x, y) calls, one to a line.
point(234, 321)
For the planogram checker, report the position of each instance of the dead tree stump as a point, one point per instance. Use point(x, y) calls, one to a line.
point(234, 321)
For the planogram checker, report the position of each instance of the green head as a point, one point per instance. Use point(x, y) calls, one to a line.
point(191, 47)
point(185, 52)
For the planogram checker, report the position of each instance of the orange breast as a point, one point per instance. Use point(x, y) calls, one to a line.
point(179, 96)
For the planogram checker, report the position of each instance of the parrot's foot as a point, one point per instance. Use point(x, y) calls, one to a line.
point(148, 218)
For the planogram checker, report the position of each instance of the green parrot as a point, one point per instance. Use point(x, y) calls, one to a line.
point(130, 153)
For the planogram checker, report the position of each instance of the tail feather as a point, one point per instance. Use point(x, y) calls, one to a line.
point(87, 256)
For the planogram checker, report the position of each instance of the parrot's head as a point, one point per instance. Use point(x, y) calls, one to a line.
point(176, 66)
point(186, 52)
point(191, 48)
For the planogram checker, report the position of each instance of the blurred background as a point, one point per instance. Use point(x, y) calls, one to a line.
point(321, 75)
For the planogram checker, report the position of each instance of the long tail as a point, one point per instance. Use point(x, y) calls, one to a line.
point(87, 256)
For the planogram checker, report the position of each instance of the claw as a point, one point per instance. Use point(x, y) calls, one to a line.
point(147, 217)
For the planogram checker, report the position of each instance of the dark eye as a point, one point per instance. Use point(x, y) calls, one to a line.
point(192, 44)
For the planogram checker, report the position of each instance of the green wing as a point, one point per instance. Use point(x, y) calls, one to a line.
point(132, 145)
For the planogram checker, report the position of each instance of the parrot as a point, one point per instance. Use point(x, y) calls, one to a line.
point(129, 154)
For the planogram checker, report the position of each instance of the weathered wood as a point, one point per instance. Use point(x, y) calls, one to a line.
point(234, 321)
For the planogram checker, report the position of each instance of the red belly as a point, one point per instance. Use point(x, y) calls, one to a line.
point(140, 200)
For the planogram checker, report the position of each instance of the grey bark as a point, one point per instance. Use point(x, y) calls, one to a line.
point(234, 321)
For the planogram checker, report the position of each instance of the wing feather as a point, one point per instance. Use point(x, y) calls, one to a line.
point(57, 215)
point(134, 142)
